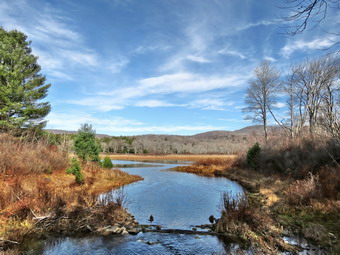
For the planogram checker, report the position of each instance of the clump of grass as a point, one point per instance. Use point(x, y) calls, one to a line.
point(244, 219)
point(301, 192)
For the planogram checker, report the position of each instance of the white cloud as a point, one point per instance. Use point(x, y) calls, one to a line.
point(303, 45)
point(271, 59)
point(188, 82)
point(184, 84)
point(59, 46)
point(226, 51)
point(72, 121)
point(154, 103)
point(151, 48)
point(259, 23)
point(279, 105)
point(198, 59)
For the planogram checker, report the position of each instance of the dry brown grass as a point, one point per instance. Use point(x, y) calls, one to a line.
point(182, 157)
point(21, 157)
point(34, 183)
point(300, 192)
point(208, 166)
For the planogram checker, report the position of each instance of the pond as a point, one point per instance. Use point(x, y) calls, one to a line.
point(176, 200)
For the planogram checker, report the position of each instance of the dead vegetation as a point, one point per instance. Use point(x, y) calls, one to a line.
point(208, 166)
point(295, 189)
point(37, 196)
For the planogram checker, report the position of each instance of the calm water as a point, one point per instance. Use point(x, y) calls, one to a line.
point(176, 200)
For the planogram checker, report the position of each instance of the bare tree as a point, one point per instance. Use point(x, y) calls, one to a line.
point(304, 13)
point(314, 85)
point(293, 123)
point(329, 110)
point(261, 94)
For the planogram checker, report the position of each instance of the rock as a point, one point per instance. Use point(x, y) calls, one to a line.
point(124, 231)
point(134, 231)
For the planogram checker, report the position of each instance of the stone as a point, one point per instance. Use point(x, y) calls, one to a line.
point(134, 231)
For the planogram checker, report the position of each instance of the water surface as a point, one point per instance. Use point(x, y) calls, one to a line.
point(176, 200)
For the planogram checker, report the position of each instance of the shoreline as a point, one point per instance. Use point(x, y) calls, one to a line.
point(266, 193)
point(57, 205)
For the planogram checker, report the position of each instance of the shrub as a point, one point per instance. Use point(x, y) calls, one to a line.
point(76, 171)
point(85, 145)
point(107, 163)
point(253, 155)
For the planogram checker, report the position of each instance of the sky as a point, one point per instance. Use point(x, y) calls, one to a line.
point(131, 67)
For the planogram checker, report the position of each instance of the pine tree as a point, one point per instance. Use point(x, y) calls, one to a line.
point(85, 145)
point(21, 85)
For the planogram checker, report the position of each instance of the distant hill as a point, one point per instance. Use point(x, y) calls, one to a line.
point(218, 134)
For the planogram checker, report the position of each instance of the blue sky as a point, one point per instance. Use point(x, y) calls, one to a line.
point(133, 67)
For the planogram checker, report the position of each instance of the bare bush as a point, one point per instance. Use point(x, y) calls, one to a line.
point(20, 157)
point(301, 192)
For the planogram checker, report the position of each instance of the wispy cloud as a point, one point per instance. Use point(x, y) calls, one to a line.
point(198, 59)
point(54, 37)
point(259, 23)
point(174, 84)
point(305, 45)
point(73, 120)
point(154, 103)
point(227, 51)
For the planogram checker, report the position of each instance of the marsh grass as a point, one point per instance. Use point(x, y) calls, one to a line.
point(32, 200)
point(208, 166)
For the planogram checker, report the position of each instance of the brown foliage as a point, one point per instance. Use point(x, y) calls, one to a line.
point(24, 157)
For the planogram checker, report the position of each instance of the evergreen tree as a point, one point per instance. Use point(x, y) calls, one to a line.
point(21, 85)
point(85, 145)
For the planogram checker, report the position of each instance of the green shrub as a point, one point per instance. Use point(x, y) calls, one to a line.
point(107, 163)
point(253, 156)
point(76, 171)
point(85, 144)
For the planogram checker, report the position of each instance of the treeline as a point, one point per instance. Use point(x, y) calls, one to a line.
point(219, 142)
point(158, 144)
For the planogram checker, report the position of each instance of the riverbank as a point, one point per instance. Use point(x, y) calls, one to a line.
point(268, 213)
point(38, 198)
